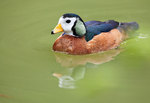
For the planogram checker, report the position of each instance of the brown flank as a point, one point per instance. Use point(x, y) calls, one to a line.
point(77, 46)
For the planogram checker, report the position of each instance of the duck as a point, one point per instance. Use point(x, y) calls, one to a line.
point(79, 37)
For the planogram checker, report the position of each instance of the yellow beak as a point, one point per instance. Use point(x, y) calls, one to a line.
point(57, 29)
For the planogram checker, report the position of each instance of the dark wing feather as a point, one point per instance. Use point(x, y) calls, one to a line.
point(96, 27)
point(89, 23)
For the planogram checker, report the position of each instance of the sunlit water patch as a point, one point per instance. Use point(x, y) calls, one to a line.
point(143, 36)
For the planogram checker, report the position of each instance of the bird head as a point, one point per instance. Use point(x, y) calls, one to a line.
point(70, 24)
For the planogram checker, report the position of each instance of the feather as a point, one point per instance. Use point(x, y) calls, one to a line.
point(96, 27)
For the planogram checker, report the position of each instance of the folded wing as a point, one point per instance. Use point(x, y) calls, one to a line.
point(96, 27)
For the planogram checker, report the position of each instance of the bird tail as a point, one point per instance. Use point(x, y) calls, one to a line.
point(129, 27)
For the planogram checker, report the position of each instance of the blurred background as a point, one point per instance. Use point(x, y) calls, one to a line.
point(30, 72)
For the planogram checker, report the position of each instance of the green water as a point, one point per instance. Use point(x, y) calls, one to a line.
point(30, 72)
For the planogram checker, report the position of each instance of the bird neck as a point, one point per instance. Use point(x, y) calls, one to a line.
point(79, 28)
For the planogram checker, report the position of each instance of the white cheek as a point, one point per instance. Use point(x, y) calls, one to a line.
point(67, 26)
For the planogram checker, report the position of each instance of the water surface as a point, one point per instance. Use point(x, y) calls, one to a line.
point(30, 72)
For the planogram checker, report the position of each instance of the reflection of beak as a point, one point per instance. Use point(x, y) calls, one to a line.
point(57, 29)
point(58, 75)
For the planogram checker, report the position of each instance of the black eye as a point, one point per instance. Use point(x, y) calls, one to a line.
point(68, 21)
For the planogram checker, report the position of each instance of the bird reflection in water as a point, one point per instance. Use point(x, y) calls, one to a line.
point(76, 66)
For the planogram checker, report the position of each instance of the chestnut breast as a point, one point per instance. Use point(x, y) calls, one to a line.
point(71, 45)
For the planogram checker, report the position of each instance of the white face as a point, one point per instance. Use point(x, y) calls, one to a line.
point(67, 24)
